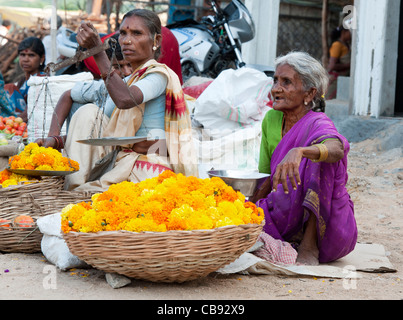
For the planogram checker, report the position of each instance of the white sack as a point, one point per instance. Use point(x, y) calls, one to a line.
point(236, 99)
point(53, 246)
point(42, 101)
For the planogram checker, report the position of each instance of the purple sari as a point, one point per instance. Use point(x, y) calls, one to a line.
point(322, 192)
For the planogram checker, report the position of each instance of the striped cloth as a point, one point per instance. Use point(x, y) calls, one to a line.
point(276, 251)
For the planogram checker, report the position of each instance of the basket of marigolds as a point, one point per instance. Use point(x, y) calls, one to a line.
point(26, 195)
point(170, 228)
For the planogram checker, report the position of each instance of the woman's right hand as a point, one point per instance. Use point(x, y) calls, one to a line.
point(48, 142)
point(289, 167)
point(87, 36)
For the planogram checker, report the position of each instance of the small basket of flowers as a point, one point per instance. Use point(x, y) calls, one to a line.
point(32, 196)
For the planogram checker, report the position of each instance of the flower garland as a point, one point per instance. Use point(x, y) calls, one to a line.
point(34, 157)
point(168, 202)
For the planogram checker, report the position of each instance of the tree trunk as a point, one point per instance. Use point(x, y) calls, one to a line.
point(117, 8)
point(96, 8)
point(325, 45)
point(152, 5)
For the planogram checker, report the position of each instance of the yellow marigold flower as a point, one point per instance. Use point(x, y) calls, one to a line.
point(168, 202)
point(7, 178)
point(34, 157)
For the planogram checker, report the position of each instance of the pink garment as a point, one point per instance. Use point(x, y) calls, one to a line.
point(276, 251)
point(323, 193)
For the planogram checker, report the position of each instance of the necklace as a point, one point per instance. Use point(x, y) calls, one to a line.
point(283, 132)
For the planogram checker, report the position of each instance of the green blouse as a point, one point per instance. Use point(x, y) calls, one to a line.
point(272, 127)
point(271, 136)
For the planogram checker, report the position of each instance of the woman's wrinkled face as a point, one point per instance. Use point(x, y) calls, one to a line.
point(30, 61)
point(288, 91)
point(135, 41)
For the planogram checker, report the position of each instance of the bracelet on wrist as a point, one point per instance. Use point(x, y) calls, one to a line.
point(323, 153)
point(59, 142)
point(105, 75)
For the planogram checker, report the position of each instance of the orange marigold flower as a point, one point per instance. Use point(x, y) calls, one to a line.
point(41, 158)
point(168, 202)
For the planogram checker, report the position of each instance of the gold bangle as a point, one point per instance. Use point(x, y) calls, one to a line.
point(324, 153)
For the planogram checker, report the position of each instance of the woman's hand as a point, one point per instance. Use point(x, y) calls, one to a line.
point(24, 115)
point(47, 142)
point(87, 36)
point(288, 167)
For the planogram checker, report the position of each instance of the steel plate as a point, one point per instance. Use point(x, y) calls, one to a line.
point(246, 181)
point(37, 173)
point(113, 141)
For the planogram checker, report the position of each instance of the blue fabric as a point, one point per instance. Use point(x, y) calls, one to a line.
point(7, 108)
point(153, 87)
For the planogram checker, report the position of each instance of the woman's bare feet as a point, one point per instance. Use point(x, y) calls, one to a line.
point(308, 256)
point(308, 252)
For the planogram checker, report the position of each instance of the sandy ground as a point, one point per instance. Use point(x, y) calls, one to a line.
point(375, 184)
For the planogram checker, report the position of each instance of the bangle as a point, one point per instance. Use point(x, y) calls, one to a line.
point(59, 142)
point(324, 153)
point(105, 75)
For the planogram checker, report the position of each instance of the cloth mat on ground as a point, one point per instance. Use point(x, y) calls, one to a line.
point(365, 257)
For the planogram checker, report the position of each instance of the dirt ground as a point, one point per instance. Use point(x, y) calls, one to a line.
point(376, 186)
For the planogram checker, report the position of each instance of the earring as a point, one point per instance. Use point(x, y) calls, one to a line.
point(306, 103)
point(155, 48)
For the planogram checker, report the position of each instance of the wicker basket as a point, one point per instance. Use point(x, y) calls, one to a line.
point(35, 200)
point(24, 190)
point(173, 256)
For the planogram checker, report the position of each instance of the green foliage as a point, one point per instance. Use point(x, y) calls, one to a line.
point(61, 4)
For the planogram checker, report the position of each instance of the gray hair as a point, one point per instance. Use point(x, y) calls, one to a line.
point(312, 75)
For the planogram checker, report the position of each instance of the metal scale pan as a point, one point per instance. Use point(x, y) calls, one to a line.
point(246, 181)
point(37, 173)
point(114, 141)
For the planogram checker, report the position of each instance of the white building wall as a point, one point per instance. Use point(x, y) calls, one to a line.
point(374, 64)
point(263, 48)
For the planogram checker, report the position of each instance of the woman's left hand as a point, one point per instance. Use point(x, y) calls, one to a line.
point(288, 167)
point(87, 36)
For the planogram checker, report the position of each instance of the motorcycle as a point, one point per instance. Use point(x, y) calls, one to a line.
point(214, 44)
point(67, 46)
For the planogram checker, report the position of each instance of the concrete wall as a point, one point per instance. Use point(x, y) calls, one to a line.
point(374, 51)
point(374, 61)
point(262, 49)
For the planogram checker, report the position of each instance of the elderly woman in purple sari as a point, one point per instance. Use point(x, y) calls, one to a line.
point(305, 200)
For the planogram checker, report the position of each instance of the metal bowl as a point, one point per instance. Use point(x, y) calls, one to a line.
point(245, 181)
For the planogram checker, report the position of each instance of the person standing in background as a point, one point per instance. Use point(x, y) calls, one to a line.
point(340, 57)
point(31, 54)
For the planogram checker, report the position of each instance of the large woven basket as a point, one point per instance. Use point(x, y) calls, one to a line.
point(173, 256)
point(35, 200)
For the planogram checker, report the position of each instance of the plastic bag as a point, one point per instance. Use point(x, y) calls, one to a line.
point(236, 99)
point(42, 101)
point(236, 150)
point(196, 90)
